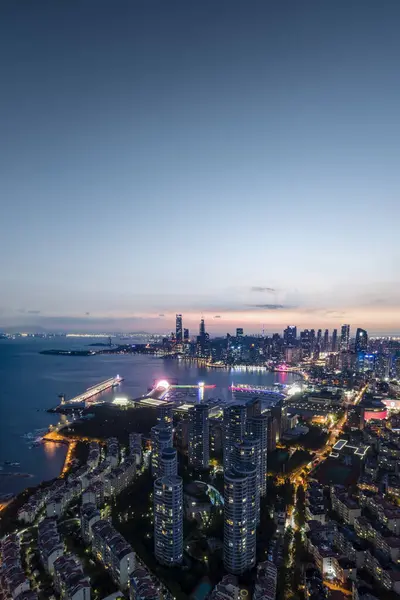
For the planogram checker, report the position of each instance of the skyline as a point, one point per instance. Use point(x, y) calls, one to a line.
point(233, 161)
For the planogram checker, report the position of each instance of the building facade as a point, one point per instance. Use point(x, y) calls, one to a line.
point(168, 520)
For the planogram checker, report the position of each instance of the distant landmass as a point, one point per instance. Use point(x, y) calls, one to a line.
point(68, 352)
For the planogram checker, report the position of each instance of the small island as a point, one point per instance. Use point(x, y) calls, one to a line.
point(68, 352)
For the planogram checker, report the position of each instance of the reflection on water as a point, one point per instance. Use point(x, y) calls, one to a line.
point(32, 382)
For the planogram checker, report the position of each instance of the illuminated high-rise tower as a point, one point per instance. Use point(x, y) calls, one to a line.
point(161, 438)
point(361, 340)
point(249, 452)
point(199, 437)
point(334, 343)
point(257, 428)
point(345, 338)
point(234, 431)
point(240, 518)
point(326, 341)
point(168, 520)
point(178, 329)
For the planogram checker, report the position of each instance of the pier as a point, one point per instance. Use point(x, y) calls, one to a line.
point(93, 391)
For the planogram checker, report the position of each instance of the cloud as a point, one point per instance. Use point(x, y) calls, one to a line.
point(23, 311)
point(217, 317)
point(268, 306)
point(259, 288)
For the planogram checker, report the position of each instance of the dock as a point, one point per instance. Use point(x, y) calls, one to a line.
point(87, 397)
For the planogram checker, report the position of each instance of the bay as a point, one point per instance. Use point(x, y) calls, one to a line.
point(30, 383)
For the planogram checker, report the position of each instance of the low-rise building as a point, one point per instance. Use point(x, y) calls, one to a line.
point(89, 516)
point(50, 544)
point(346, 507)
point(135, 447)
point(113, 451)
point(13, 580)
point(120, 477)
point(142, 586)
point(69, 579)
point(227, 589)
point(94, 494)
point(111, 548)
point(386, 512)
point(265, 586)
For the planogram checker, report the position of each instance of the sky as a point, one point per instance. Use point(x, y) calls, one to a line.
point(232, 159)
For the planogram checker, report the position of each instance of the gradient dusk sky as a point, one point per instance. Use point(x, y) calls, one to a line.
point(239, 160)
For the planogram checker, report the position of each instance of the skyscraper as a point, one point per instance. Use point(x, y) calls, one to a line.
point(345, 338)
point(161, 438)
point(178, 329)
point(249, 452)
point(202, 341)
point(168, 462)
point(290, 335)
point(326, 341)
point(305, 343)
point(239, 332)
point(312, 340)
point(165, 415)
point(234, 431)
point(361, 340)
point(334, 344)
point(199, 437)
point(168, 520)
point(257, 428)
point(319, 339)
point(186, 336)
point(240, 518)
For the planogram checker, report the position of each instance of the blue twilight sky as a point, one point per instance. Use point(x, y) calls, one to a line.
point(238, 160)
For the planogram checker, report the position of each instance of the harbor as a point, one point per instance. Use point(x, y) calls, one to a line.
point(88, 397)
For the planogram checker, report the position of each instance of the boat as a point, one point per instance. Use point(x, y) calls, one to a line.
point(11, 464)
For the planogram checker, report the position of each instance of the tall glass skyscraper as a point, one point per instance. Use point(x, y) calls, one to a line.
point(334, 344)
point(165, 415)
point(199, 437)
point(361, 340)
point(257, 428)
point(161, 438)
point(240, 515)
point(168, 462)
point(168, 520)
point(249, 452)
point(234, 431)
point(345, 338)
point(179, 330)
point(326, 341)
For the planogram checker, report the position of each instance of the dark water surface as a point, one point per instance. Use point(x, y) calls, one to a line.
point(30, 383)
